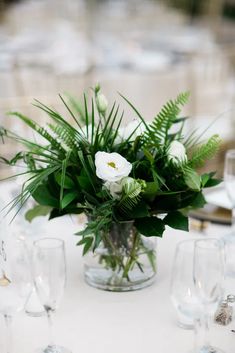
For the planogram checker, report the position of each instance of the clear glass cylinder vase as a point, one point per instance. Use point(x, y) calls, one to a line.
point(125, 260)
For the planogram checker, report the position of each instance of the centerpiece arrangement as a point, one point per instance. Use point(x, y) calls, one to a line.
point(131, 181)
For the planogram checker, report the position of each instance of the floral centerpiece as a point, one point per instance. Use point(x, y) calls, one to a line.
point(131, 181)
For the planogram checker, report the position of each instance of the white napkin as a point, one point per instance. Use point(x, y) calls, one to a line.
point(218, 197)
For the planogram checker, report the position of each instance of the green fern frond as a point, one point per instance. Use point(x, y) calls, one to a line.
point(40, 130)
point(66, 138)
point(205, 151)
point(127, 203)
point(131, 196)
point(132, 189)
point(156, 134)
point(182, 98)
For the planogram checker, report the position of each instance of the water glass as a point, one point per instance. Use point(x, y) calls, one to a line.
point(208, 276)
point(182, 287)
point(229, 180)
point(229, 239)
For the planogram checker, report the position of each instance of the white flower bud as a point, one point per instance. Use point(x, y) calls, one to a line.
point(177, 153)
point(134, 128)
point(101, 102)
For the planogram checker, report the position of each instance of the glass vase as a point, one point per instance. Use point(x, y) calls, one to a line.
point(124, 261)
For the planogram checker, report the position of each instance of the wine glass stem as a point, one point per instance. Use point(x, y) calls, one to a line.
point(50, 324)
point(8, 322)
point(201, 329)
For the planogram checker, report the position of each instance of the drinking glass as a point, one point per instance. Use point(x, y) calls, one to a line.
point(182, 288)
point(15, 281)
point(49, 270)
point(229, 179)
point(208, 275)
point(229, 239)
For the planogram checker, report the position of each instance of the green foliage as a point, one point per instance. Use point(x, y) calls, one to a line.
point(192, 179)
point(205, 152)
point(177, 220)
point(150, 226)
point(157, 132)
point(61, 172)
point(208, 180)
point(37, 211)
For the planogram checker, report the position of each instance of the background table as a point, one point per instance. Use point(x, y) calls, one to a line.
point(90, 320)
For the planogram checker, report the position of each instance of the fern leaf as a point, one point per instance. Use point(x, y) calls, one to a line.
point(66, 138)
point(40, 130)
point(131, 196)
point(205, 151)
point(157, 132)
point(128, 203)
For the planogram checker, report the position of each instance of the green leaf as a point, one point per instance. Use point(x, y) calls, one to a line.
point(68, 182)
point(63, 175)
point(148, 155)
point(192, 179)
point(199, 201)
point(150, 226)
point(212, 182)
point(37, 211)
point(150, 191)
point(208, 180)
point(139, 211)
point(43, 196)
point(204, 179)
point(88, 245)
point(68, 198)
point(84, 183)
point(176, 220)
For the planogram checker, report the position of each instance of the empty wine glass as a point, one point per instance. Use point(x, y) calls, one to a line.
point(229, 179)
point(182, 288)
point(208, 277)
point(229, 239)
point(49, 269)
point(15, 281)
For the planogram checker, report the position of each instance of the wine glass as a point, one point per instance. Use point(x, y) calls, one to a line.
point(49, 270)
point(229, 180)
point(182, 288)
point(15, 281)
point(208, 275)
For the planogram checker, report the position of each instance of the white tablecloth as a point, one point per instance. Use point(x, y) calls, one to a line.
point(90, 320)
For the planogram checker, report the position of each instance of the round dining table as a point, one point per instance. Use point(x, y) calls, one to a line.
point(90, 320)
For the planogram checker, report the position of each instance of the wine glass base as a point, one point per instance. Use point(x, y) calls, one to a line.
point(53, 349)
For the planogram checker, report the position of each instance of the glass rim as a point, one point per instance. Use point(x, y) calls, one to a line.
point(214, 241)
point(57, 243)
point(186, 241)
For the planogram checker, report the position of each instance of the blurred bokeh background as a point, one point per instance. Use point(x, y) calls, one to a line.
point(149, 50)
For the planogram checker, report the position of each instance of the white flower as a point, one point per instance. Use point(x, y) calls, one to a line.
point(177, 153)
point(114, 188)
point(134, 128)
point(111, 166)
point(102, 103)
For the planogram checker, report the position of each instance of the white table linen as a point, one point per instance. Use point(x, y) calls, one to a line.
point(90, 320)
